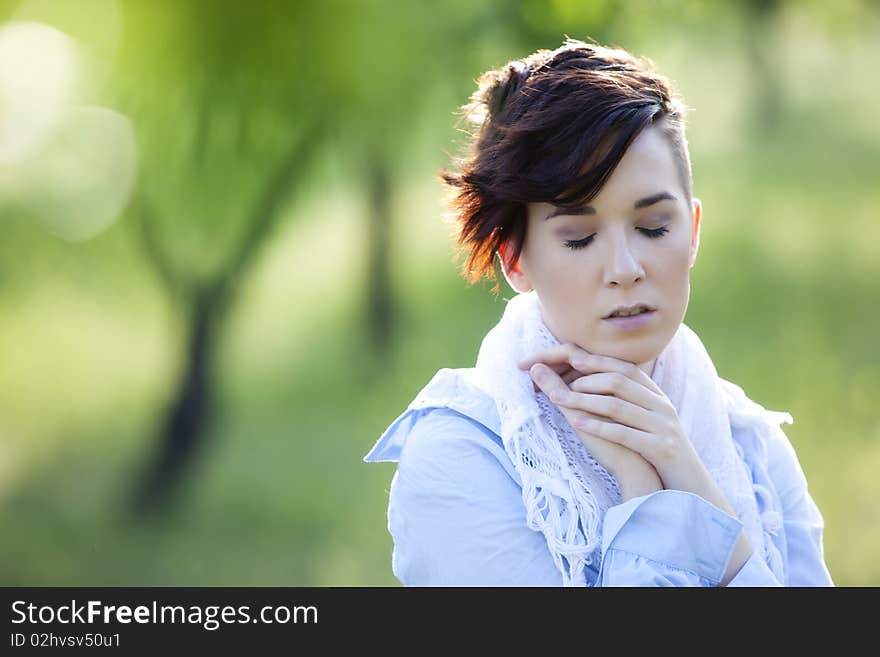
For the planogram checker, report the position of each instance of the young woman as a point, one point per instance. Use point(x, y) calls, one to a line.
point(593, 443)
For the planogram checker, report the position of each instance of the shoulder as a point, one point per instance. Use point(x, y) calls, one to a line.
point(455, 509)
point(784, 467)
point(759, 433)
point(450, 421)
point(445, 449)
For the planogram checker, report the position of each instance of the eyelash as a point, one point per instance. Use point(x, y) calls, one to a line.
point(652, 233)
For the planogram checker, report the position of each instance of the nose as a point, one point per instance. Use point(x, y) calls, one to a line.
point(624, 268)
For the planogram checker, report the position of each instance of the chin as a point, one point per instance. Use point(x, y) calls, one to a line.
point(638, 353)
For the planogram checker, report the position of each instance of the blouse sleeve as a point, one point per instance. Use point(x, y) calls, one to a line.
point(456, 516)
point(667, 538)
point(457, 519)
point(801, 520)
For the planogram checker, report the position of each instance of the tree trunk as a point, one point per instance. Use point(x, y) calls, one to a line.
point(189, 414)
point(186, 425)
point(380, 303)
point(766, 84)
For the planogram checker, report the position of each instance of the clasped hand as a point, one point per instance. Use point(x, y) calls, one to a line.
point(624, 419)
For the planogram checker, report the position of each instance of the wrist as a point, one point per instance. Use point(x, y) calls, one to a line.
point(742, 552)
point(701, 483)
point(641, 484)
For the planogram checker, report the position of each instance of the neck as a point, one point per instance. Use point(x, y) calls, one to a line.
point(648, 367)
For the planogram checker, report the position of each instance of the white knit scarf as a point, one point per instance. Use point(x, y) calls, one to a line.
point(565, 490)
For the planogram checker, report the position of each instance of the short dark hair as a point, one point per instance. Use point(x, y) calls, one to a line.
point(541, 119)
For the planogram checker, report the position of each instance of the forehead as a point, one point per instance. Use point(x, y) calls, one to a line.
point(647, 167)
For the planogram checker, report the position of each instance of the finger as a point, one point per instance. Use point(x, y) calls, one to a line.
point(613, 408)
point(571, 414)
point(589, 363)
point(594, 363)
point(608, 406)
point(559, 368)
point(560, 354)
point(570, 375)
point(548, 381)
point(565, 372)
point(554, 390)
point(552, 385)
point(617, 385)
point(634, 439)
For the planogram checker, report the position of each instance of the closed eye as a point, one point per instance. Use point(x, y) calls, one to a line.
point(654, 232)
point(579, 244)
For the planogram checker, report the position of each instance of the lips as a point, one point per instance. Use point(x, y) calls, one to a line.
point(629, 311)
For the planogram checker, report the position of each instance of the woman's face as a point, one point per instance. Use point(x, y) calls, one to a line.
point(634, 244)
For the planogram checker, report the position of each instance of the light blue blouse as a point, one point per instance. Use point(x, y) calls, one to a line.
point(456, 514)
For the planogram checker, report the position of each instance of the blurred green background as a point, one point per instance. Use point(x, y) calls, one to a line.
point(224, 268)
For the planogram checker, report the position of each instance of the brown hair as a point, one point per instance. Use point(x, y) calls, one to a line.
point(541, 119)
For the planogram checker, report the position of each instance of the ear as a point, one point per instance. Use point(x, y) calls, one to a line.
point(513, 273)
point(695, 231)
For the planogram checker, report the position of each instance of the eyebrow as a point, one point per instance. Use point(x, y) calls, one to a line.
point(586, 209)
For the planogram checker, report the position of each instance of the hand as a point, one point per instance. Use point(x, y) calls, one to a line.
point(616, 404)
point(612, 402)
point(633, 473)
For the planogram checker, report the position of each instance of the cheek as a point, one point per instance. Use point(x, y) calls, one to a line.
point(672, 267)
point(551, 265)
point(674, 285)
point(570, 277)
point(565, 280)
